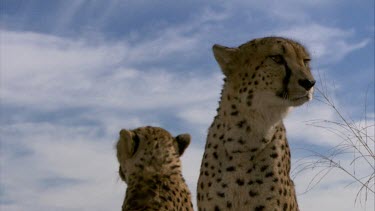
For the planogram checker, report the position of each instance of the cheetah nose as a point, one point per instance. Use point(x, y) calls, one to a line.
point(306, 83)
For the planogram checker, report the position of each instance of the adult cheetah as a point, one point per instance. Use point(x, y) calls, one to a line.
point(150, 164)
point(246, 162)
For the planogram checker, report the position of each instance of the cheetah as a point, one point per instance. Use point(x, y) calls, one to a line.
point(150, 165)
point(246, 163)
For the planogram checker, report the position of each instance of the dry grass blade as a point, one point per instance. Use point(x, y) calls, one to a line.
point(357, 144)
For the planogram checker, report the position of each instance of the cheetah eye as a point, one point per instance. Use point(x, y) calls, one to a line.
point(278, 59)
point(306, 62)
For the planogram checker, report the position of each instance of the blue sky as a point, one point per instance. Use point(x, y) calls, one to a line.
point(73, 73)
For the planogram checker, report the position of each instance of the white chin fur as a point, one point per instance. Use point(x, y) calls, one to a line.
point(262, 99)
point(301, 100)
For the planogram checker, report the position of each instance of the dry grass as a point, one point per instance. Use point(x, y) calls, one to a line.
point(357, 143)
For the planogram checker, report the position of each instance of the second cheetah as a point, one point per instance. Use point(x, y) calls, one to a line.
point(150, 164)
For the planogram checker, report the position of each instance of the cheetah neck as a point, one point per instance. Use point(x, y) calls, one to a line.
point(147, 191)
point(149, 175)
point(259, 119)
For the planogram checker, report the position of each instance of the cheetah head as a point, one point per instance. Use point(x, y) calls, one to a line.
point(271, 70)
point(149, 150)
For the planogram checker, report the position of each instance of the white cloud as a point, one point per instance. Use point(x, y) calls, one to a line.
point(299, 129)
point(60, 154)
point(50, 72)
point(334, 198)
point(201, 115)
point(27, 52)
point(326, 44)
point(191, 162)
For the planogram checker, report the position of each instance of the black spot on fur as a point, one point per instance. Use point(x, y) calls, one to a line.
point(240, 182)
point(263, 168)
point(259, 181)
point(231, 168)
point(229, 204)
point(252, 193)
point(241, 123)
point(234, 113)
point(259, 208)
point(240, 141)
point(273, 155)
point(215, 155)
point(269, 174)
point(220, 194)
point(285, 208)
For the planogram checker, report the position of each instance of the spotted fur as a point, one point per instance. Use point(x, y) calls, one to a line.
point(150, 164)
point(246, 163)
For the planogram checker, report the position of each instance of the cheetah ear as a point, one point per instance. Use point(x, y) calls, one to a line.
point(226, 57)
point(183, 142)
point(127, 144)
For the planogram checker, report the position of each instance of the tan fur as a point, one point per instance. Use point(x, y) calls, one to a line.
point(246, 163)
point(150, 164)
